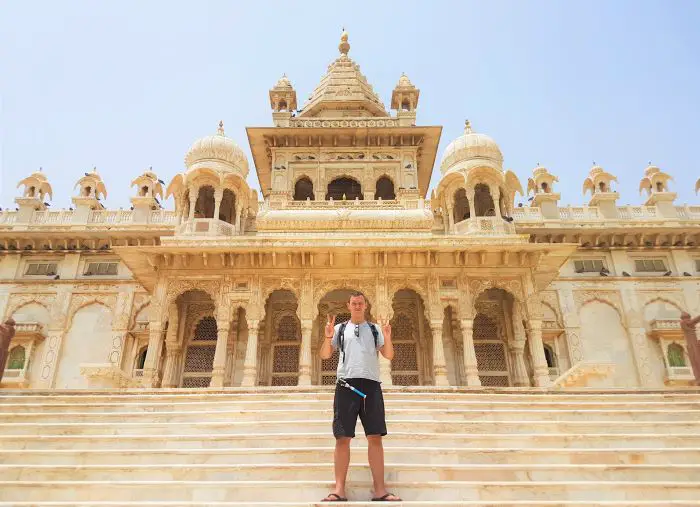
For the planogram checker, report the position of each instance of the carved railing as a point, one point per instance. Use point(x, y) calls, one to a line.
point(527, 214)
point(206, 227)
point(111, 217)
point(355, 204)
point(52, 217)
point(162, 216)
point(665, 324)
point(7, 217)
point(485, 226)
point(579, 213)
point(593, 214)
point(580, 374)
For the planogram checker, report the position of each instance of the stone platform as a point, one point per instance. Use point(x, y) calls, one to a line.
point(273, 446)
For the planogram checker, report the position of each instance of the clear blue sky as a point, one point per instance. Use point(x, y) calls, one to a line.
point(125, 85)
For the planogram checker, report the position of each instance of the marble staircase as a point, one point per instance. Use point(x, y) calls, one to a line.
point(273, 446)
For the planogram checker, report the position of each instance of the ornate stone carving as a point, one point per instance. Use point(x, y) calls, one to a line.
point(179, 286)
point(17, 301)
point(514, 287)
point(79, 301)
point(581, 297)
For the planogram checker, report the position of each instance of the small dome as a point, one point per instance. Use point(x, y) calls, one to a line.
point(217, 152)
point(471, 146)
point(283, 82)
point(404, 82)
point(651, 169)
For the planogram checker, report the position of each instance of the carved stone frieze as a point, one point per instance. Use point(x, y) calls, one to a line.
point(179, 286)
point(514, 287)
point(78, 301)
point(17, 301)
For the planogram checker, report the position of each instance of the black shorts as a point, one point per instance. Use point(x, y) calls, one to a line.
point(347, 405)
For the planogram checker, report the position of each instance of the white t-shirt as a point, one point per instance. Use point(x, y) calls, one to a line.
point(360, 358)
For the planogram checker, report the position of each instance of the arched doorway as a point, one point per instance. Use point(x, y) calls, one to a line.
point(227, 208)
point(204, 207)
point(304, 189)
point(409, 336)
point(491, 335)
point(483, 201)
point(385, 189)
point(344, 188)
point(199, 359)
point(280, 342)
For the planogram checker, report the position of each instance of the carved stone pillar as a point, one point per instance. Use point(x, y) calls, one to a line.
point(496, 196)
point(472, 207)
point(173, 364)
point(471, 368)
point(439, 365)
point(539, 362)
point(231, 354)
point(194, 196)
point(305, 353)
point(218, 195)
point(517, 356)
point(155, 344)
point(450, 219)
point(219, 368)
point(250, 364)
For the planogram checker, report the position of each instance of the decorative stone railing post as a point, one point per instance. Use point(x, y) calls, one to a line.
point(471, 368)
point(250, 364)
point(305, 353)
point(472, 206)
point(539, 362)
point(218, 196)
point(219, 368)
point(439, 364)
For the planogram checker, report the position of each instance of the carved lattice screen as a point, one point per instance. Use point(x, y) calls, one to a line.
point(199, 359)
point(404, 367)
point(285, 355)
point(490, 353)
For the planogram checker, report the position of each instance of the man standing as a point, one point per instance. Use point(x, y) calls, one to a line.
point(7, 332)
point(358, 392)
point(691, 343)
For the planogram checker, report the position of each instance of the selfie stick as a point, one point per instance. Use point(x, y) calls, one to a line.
point(357, 391)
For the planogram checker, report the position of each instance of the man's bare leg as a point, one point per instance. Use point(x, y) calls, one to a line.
point(375, 456)
point(342, 463)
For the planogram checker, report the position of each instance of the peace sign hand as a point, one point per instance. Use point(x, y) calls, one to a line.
point(330, 326)
point(386, 328)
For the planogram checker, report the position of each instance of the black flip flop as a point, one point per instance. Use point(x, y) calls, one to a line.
point(337, 498)
point(384, 498)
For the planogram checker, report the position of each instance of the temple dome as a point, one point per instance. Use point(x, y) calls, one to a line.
point(471, 145)
point(217, 152)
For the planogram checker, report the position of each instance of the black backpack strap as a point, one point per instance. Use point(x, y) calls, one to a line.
point(375, 333)
point(341, 339)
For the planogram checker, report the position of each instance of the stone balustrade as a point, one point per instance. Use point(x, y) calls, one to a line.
point(206, 227)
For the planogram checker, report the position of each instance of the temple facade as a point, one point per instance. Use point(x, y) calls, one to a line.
point(233, 288)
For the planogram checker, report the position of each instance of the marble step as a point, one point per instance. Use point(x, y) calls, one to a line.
point(226, 439)
point(312, 491)
point(396, 472)
point(427, 503)
point(435, 414)
point(485, 403)
point(401, 394)
point(320, 425)
point(393, 454)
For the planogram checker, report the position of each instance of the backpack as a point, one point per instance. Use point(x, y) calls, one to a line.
point(341, 337)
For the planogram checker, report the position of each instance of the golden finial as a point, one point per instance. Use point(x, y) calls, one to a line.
point(344, 46)
point(467, 127)
point(94, 169)
point(220, 130)
point(41, 169)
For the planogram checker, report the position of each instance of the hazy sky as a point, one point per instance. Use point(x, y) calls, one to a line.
point(125, 85)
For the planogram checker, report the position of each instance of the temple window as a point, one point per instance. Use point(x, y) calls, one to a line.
point(344, 188)
point(384, 189)
point(545, 187)
point(650, 265)
point(550, 356)
point(676, 356)
point(16, 358)
point(602, 186)
point(659, 186)
point(304, 189)
point(144, 191)
point(589, 265)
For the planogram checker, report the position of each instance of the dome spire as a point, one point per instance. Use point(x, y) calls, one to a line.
point(344, 46)
point(467, 127)
point(220, 130)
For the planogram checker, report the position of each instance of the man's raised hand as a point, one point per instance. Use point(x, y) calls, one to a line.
point(330, 326)
point(386, 327)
